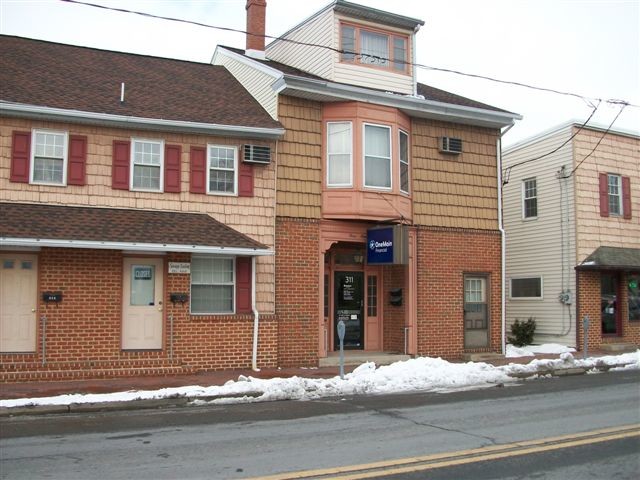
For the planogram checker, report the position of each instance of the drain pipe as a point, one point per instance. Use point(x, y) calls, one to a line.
point(256, 317)
point(43, 320)
point(503, 242)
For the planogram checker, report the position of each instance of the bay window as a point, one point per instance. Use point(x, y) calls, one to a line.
point(373, 48)
point(377, 156)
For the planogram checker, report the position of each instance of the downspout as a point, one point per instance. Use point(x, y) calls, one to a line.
point(503, 243)
point(256, 317)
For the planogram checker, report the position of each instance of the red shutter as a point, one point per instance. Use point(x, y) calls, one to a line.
point(120, 167)
point(172, 154)
point(604, 195)
point(626, 197)
point(243, 284)
point(245, 180)
point(77, 168)
point(198, 172)
point(20, 157)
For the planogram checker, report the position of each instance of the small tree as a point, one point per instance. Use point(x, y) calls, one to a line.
point(522, 332)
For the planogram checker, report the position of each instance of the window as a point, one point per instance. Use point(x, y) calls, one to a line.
point(530, 287)
point(49, 163)
point(147, 165)
point(221, 170)
point(372, 295)
point(377, 156)
point(339, 144)
point(529, 198)
point(212, 285)
point(404, 162)
point(374, 48)
point(634, 297)
point(615, 190)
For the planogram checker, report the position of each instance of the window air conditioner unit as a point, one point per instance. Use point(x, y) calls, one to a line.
point(256, 154)
point(450, 145)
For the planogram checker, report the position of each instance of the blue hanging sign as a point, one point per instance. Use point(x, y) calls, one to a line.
point(380, 246)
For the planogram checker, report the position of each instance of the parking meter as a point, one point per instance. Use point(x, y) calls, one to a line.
point(341, 329)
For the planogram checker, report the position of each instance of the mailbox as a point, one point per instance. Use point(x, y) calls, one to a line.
point(52, 297)
point(395, 297)
point(179, 298)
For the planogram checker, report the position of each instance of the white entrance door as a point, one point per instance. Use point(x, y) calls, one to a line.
point(142, 303)
point(18, 301)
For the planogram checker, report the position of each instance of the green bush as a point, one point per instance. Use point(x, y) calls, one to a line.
point(522, 332)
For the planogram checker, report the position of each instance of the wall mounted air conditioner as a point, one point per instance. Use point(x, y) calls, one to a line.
point(450, 145)
point(260, 154)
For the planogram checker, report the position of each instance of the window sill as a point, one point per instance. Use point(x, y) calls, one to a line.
point(48, 184)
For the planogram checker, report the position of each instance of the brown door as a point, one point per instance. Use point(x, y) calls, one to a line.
point(476, 320)
point(142, 309)
point(18, 301)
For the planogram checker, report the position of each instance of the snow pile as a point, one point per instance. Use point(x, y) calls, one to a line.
point(532, 350)
point(418, 374)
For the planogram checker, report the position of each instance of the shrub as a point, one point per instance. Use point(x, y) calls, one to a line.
point(522, 332)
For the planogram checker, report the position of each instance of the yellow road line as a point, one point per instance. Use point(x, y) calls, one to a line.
point(460, 457)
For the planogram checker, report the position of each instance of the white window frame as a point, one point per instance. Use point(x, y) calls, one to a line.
point(364, 157)
point(618, 195)
point(350, 183)
point(525, 198)
point(526, 277)
point(233, 284)
point(65, 156)
point(132, 166)
point(236, 170)
point(407, 163)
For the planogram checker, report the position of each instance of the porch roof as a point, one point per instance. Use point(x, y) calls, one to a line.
point(37, 225)
point(612, 258)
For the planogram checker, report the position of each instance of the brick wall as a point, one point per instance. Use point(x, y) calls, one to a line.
point(393, 323)
point(298, 294)
point(444, 257)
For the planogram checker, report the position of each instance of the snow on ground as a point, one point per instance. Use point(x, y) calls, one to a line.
point(531, 350)
point(418, 374)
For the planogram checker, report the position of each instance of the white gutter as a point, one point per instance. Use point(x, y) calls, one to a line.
point(256, 317)
point(414, 106)
point(126, 121)
point(132, 246)
point(503, 246)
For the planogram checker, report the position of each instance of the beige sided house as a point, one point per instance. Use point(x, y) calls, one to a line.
point(573, 234)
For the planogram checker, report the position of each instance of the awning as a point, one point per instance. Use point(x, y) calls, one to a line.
point(38, 225)
point(612, 258)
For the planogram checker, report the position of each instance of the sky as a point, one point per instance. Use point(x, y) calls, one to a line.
point(587, 47)
point(417, 374)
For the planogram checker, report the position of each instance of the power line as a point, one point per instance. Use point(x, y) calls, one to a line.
point(375, 58)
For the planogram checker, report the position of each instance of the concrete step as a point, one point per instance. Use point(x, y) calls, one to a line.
point(621, 347)
point(357, 357)
point(481, 357)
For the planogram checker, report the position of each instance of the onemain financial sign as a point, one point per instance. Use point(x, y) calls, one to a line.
point(387, 245)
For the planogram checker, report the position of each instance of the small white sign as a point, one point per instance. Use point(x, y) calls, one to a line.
point(179, 267)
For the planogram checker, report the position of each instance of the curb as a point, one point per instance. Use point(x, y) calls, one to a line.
point(176, 402)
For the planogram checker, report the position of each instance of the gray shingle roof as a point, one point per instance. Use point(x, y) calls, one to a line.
point(612, 258)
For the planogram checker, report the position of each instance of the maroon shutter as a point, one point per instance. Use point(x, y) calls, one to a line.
point(245, 180)
point(172, 154)
point(77, 168)
point(626, 197)
point(604, 195)
point(20, 157)
point(120, 167)
point(198, 172)
point(243, 284)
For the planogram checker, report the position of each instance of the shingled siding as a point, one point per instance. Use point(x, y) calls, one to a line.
point(454, 190)
point(300, 159)
point(253, 216)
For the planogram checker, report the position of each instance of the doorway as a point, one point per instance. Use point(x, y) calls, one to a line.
point(348, 307)
point(609, 305)
point(476, 318)
point(18, 302)
point(142, 307)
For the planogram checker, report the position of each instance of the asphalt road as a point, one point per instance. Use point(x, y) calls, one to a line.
point(240, 441)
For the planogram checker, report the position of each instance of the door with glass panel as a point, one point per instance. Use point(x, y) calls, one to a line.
point(142, 309)
point(476, 318)
point(18, 302)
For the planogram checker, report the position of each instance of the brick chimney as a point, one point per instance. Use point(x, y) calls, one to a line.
point(256, 15)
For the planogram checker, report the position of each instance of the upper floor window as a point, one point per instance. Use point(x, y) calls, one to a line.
point(49, 162)
point(147, 165)
point(529, 198)
point(615, 193)
point(222, 165)
point(339, 160)
point(374, 48)
point(377, 156)
point(404, 162)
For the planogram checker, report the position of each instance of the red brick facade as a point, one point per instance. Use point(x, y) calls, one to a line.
point(393, 323)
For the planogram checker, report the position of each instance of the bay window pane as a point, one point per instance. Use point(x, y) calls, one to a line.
point(348, 42)
point(377, 156)
point(399, 54)
point(404, 162)
point(339, 146)
point(374, 48)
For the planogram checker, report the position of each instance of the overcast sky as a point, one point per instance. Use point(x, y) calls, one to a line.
point(589, 47)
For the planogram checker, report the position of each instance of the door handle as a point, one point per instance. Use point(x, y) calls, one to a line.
point(159, 309)
point(33, 310)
